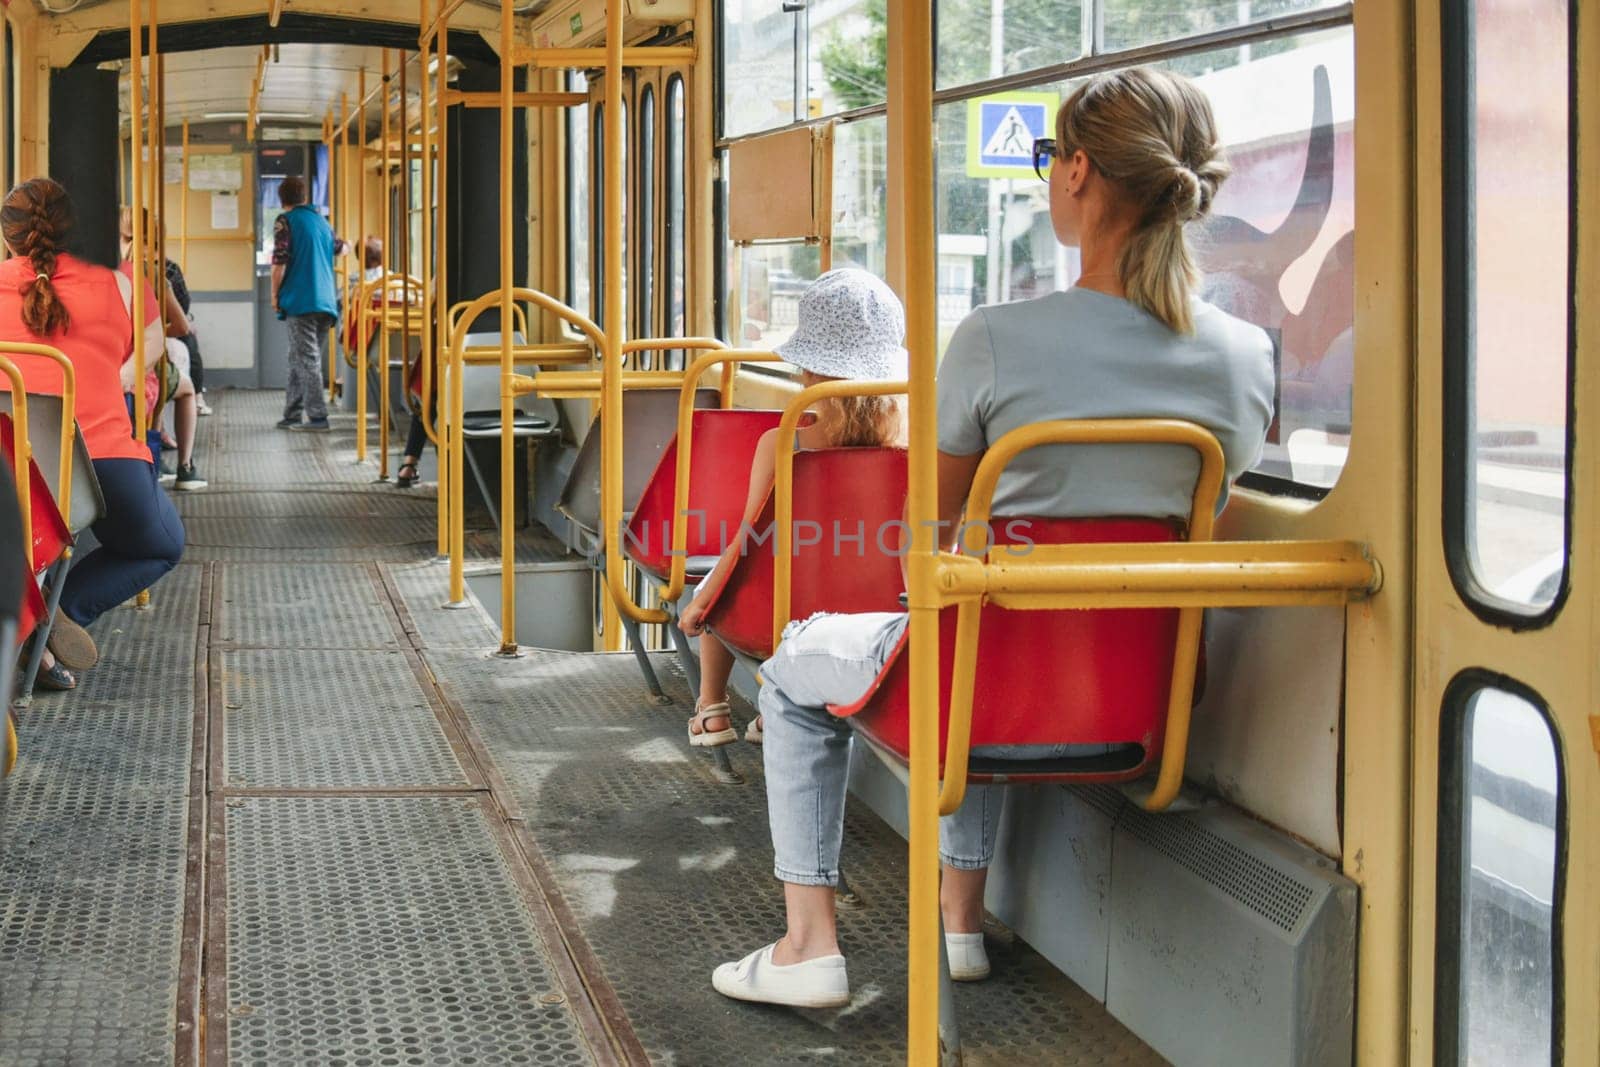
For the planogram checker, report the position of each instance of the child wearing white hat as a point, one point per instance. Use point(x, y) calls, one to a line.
point(851, 326)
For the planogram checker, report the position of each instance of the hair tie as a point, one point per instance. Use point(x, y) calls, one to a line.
point(41, 274)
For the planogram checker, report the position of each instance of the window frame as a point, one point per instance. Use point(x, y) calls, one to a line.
point(675, 246)
point(644, 162)
point(571, 122)
point(1459, 234)
point(1453, 848)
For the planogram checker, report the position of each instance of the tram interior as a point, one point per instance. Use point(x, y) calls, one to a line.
point(318, 818)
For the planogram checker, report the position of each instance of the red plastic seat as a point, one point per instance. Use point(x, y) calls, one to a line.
point(838, 493)
point(719, 474)
point(1047, 677)
point(51, 537)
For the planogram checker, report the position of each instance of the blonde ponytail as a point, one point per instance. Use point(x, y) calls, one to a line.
point(1152, 135)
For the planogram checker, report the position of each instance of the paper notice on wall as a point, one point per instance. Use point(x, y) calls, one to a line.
point(216, 172)
point(172, 166)
point(224, 211)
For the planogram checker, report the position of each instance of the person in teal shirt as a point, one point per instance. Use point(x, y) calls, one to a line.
point(303, 295)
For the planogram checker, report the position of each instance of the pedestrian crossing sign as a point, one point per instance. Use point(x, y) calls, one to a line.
point(1001, 130)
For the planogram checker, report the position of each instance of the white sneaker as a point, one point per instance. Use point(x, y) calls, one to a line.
point(968, 960)
point(818, 983)
point(200, 405)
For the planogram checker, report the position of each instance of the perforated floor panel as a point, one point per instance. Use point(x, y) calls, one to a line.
point(346, 719)
point(382, 930)
point(301, 605)
point(670, 873)
point(92, 848)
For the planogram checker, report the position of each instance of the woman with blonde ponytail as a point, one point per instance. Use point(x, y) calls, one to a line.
point(1135, 159)
point(50, 297)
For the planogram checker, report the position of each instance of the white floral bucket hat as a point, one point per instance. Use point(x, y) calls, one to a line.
point(851, 326)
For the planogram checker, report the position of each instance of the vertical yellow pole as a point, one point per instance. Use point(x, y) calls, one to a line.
point(405, 229)
point(361, 296)
point(354, 234)
point(911, 97)
point(183, 205)
point(448, 502)
point(333, 224)
point(158, 171)
point(508, 473)
point(615, 330)
point(383, 320)
point(135, 200)
point(458, 523)
point(432, 310)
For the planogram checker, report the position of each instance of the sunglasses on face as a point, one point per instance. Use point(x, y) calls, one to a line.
point(1044, 151)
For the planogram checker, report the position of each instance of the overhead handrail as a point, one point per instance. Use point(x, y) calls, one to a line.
point(21, 450)
point(783, 483)
point(69, 412)
point(729, 359)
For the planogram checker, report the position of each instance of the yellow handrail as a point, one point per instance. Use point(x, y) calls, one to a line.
point(455, 439)
point(69, 413)
point(519, 317)
point(728, 358)
point(783, 483)
point(440, 36)
point(21, 453)
point(383, 292)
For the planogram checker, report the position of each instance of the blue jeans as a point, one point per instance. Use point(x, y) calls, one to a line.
point(141, 538)
point(832, 659)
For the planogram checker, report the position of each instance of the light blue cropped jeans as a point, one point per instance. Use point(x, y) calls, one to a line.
point(832, 659)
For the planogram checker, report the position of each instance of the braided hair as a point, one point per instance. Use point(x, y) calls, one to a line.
point(35, 220)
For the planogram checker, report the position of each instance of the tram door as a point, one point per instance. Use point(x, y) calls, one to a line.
point(1506, 780)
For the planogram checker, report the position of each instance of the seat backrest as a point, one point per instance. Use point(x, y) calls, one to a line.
point(13, 568)
point(50, 534)
point(1097, 676)
point(649, 422)
point(44, 433)
point(724, 442)
point(480, 385)
point(848, 507)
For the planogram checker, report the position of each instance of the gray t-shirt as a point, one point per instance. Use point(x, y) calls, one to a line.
point(1082, 354)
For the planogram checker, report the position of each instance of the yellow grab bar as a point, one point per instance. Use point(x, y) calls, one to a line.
point(729, 358)
point(69, 414)
point(783, 483)
point(21, 453)
point(463, 315)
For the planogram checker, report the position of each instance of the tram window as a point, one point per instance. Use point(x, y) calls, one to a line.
point(644, 325)
point(771, 279)
point(860, 188)
point(1131, 23)
point(579, 267)
point(677, 247)
point(1501, 846)
point(847, 43)
point(1276, 251)
point(1011, 37)
point(1508, 301)
point(759, 46)
point(600, 211)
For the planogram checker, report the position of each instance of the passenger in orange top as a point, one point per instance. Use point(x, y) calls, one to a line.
point(50, 297)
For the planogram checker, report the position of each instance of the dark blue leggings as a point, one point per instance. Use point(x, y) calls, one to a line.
point(141, 538)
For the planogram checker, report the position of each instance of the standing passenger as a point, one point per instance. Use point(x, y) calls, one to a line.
point(1135, 158)
point(303, 295)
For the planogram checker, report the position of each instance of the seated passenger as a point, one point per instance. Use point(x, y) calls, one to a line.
point(1135, 158)
point(50, 297)
point(172, 338)
point(851, 326)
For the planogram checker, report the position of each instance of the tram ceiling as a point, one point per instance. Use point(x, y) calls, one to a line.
point(97, 31)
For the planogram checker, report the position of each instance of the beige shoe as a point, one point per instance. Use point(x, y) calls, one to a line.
point(968, 960)
point(705, 736)
point(71, 644)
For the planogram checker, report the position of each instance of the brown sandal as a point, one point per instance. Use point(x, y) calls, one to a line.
point(706, 737)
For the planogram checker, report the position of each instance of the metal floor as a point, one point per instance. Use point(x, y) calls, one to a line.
point(300, 815)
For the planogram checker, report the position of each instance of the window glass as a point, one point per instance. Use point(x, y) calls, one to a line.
point(982, 39)
point(1131, 23)
point(1514, 270)
point(758, 66)
point(579, 268)
point(1276, 251)
point(644, 321)
point(860, 186)
point(677, 238)
point(600, 211)
point(767, 303)
point(847, 44)
point(1501, 880)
